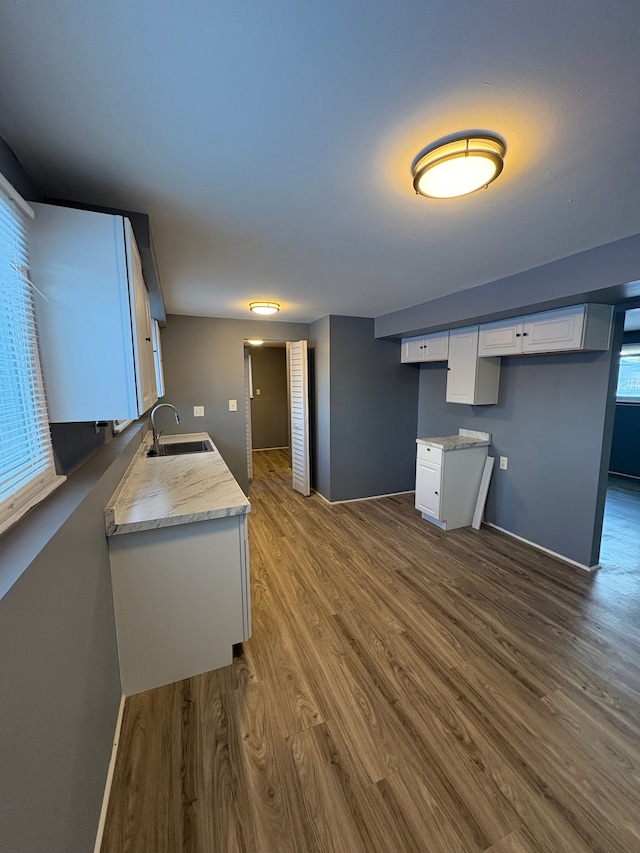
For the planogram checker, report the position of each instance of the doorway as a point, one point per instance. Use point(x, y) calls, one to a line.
point(620, 542)
point(277, 406)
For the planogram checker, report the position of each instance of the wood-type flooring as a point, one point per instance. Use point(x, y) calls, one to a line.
point(405, 690)
point(620, 544)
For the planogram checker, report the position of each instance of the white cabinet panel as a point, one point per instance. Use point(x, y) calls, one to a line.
point(428, 481)
point(437, 346)
point(503, 337)
point(470, 379)
point(181, 600)
point(411, 350)
point(433, 347)
point(92, 312)
point(580, 327)
point(553, 330)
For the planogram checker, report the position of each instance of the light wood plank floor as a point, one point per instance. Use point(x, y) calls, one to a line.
point(404, 690)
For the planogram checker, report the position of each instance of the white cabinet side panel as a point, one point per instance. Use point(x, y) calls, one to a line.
point(178, 601)
point(146, 386)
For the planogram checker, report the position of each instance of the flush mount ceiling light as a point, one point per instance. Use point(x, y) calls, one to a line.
point(458, 166)
point(255, 342)
point(264, 307)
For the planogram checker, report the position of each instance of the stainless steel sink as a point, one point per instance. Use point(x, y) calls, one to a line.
point(177, 448)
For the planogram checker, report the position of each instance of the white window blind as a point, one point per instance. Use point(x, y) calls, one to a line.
point(27, 471)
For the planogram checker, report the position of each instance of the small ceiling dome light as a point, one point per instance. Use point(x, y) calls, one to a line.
point(264, 307)
point(458, 166)
point(255, 342)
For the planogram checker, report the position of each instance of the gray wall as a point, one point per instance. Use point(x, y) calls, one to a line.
point(551, 421)
point(269, 408)
point(366, 447)
point(59, 675)
point(608, 274)
point(16, 175)
point(204, 366)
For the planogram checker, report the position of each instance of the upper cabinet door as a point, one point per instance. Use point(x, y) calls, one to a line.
point(503, 337)
point(412, 350)
point(461, 370)
point(470, 379)
point(436, 346)
point(554, 330)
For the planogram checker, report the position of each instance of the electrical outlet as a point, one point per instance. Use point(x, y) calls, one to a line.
point(198, 411)
point(504, 460)
point(233, 405)
point(257, 392)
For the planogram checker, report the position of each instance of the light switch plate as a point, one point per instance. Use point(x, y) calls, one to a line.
point(504, 460)
point(198, 411)
point(233, 405)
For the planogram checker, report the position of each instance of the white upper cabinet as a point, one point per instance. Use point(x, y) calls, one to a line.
point(434, 347)
point(470, 379)
point(580, 327)
point(92, 311)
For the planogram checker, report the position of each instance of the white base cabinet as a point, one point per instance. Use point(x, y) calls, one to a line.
point(92, 311)
point(580, 327)
point(181, 599)
point(470, 379)
point(447, 484)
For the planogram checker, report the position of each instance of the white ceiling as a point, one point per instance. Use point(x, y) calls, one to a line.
point(270, 143)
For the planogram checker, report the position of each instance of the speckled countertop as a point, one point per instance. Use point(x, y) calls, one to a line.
point(163, 491)
point(465, 438)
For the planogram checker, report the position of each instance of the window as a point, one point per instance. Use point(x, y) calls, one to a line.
point(629, 374)
point(27, 471)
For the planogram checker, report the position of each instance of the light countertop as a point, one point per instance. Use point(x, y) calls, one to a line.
point(162, 491)
point(465, 438)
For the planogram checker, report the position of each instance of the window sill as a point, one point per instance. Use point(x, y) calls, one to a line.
point(23, 542)
point(32, 501)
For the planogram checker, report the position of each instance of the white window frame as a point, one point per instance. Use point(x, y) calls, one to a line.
point(27, 467)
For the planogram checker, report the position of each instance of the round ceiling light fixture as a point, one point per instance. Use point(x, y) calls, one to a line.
point(458, 165)
point(264, 307)
point(255, 342)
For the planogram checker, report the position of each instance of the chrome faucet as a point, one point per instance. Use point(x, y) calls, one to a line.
point(155, 450)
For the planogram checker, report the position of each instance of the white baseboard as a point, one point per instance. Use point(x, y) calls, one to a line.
point(370, 498)
point(109, 780)
point(546, 550)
